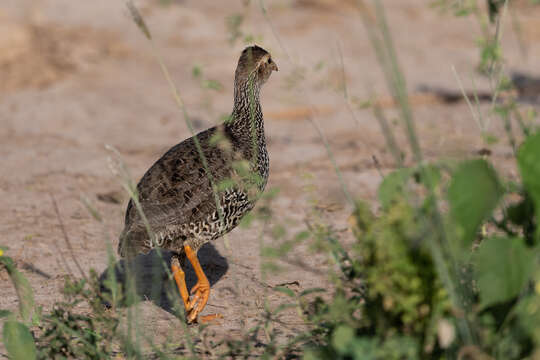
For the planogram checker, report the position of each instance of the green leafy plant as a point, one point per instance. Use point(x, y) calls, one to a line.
point(67, 332)
point(16, 334)
point(19, 341)
point(421, 283)
point(391, 302)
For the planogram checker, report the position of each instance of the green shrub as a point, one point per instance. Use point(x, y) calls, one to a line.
point(393, 301)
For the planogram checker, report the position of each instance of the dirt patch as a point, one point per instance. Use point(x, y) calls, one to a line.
point(36, 55)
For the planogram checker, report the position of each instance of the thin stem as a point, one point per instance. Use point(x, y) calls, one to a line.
point(345, 90)
point(388, 135)
point(476, 116)
point(66, 237)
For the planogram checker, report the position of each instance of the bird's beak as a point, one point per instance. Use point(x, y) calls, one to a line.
point(274, 66)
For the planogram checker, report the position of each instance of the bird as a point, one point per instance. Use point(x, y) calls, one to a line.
point(201, 188)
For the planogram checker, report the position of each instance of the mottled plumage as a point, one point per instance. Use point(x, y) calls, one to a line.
point(176, 192)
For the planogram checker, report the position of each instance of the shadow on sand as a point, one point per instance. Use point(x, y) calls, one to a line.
point(151, 279)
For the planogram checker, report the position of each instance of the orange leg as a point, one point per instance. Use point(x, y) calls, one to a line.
point(201, 290)
point(180, 278)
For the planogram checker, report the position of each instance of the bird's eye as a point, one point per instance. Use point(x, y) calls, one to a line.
point(269, 60)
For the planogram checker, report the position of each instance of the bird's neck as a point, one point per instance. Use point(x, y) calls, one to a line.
point(247, 127)
point(247, 120)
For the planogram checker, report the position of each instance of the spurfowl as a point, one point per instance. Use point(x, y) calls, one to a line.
point(201, 188)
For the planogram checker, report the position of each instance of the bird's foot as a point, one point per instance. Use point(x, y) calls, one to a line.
point(209, 318)
point(200, 293)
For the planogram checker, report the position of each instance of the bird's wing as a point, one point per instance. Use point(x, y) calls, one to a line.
point(177, 189)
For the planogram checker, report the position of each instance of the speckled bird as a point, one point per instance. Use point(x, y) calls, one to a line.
point(202, 187)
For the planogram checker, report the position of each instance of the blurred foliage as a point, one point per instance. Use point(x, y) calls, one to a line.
point(473, 194)
point(197, 73)
point(235, 26)
point(69, 332)
point(18, 341)
point(16, 335)
point(467, 7)
point(66, 331)
point(391, 302)
point(421, 283)
point(22, 288)
point(488, 14)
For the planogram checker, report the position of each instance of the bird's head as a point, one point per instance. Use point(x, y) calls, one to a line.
point(254, 63)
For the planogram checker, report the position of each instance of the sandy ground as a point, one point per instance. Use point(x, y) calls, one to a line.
point(76, 76)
